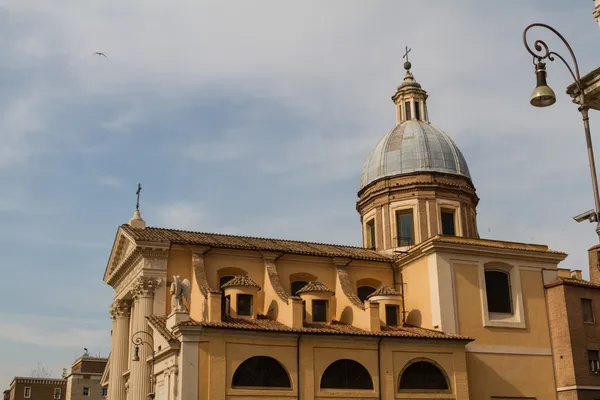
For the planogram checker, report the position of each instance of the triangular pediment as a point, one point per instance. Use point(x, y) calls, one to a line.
point(123, 245)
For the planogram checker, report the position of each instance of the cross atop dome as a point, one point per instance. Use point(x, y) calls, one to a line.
point(410, 98)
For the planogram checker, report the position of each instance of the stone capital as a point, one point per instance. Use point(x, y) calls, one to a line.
point(120, 308)
point(145, 287)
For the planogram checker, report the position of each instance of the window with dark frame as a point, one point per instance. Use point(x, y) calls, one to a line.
point(588, 312)
point(364, 291)
point(86, 391)
point(417, 111)
point(497, 287)
point(391, 315)
point(594, 361)
point(405, 230)
point(27, 392)
point(448, 223)
point(57, 393)
point(346, 374)
point(244, 304)
point(423, 375)
point(370, 228)
point(261, 371)
point(104, 392)
point(319, 310)
point(407, 111)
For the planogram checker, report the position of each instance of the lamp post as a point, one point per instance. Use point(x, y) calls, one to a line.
point(543, 96)
point(138, 341)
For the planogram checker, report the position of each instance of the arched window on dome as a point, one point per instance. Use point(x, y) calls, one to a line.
point(261, 371)
point(346, 374)
point(423, 375)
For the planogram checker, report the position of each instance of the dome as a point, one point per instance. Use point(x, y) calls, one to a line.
point(413, 146)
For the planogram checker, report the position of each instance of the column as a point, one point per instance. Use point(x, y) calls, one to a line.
point(143, 295)
point(119, 311)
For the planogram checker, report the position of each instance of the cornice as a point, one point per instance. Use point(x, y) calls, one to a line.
point(477, 247)
point(154, 256)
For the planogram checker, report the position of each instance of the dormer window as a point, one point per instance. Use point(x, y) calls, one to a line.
point(244, 305)
point(391, 314)
point(239, 297)
point(319, 310)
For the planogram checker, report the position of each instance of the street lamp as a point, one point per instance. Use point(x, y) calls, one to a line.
point(138, 341)
point(543, 96)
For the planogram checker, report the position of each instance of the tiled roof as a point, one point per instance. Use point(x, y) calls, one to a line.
point(266, 324)
point(573, 282)
point(384, 290)
point(240, 280)
point(159, 322)
point(314, 286)
point(253, 243)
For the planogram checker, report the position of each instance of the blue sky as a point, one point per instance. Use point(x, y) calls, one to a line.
point(255, 118)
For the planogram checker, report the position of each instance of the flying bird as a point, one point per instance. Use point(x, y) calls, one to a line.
point(99, 54)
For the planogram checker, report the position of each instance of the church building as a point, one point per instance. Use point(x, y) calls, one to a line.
point(425, 309)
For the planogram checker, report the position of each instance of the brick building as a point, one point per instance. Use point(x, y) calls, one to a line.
point(23, 388)
point(573, 306)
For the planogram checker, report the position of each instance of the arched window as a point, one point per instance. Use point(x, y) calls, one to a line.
point(261, 371)
point(297, 285)
point(346, 374)
point(497, 287)
point(364, 291)
point(423, 375)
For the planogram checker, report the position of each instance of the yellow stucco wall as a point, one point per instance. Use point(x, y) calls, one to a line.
point(220, 353)
point(511, 376)
point(417, 298)
point(179, 263)
point(469, 311)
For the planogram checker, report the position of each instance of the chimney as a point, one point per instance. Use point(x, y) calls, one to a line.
point(594, 264)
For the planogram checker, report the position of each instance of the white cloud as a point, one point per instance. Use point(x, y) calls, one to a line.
point(180, 215)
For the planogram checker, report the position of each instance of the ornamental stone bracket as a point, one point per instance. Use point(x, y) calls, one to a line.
point(342, 273)
point(200, 273)
point(273, 275)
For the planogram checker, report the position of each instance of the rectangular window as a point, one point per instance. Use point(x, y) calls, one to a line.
point(497, 287)
point(56, 393)
point(593, 360)
point(391, 315)
point(319, 310)
point(448, 223)
point(417, 111)
point(371, 233)
point(407, 111)
point(104, 392)
point(244, 304)
point(27, 393)
point(86, 391)
point(405, 228)
point(588, 312)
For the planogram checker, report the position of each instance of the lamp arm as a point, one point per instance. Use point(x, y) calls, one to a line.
point(542, 51)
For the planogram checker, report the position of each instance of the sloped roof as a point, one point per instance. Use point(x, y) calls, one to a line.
point(253, 243)
point(314, 286)
point(159, 322)
point(384, 290)
point(265, 324)
point(240, 280)
point(573, 282)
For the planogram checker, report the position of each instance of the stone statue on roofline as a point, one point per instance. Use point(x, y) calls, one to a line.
point(180, 290)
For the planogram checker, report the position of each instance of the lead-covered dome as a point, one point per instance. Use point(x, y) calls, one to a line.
point(413, 146)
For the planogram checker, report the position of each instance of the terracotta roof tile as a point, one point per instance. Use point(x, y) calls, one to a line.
point(159, 322)
point(265, 324)
point(573, 282)
point(384, 290)
point(314, 286)
point(240, 280)
point(253, 243)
